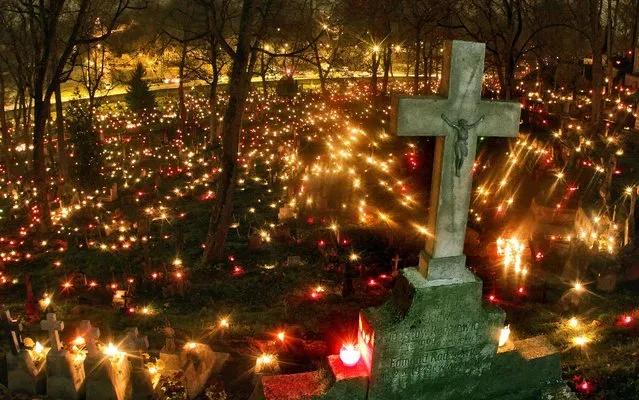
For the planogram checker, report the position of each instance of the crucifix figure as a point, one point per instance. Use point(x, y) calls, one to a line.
point(459, 100)
point(13, 329)
point(461, 144)
point(52, 325)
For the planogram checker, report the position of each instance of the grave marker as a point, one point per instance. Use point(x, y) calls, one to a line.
point(91, 336)
point(13, 329)
point(23, 375)
point(169, 354)
point(435, 338)
point(65, 375)
point(447, 117)
point(141, 378)
point(198, 363)
point(53, 326)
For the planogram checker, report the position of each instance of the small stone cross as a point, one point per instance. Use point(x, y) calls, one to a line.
point(52, 325)
point(396, 264)
point(457, 117)
point(91, 336)
point(136, 344)
point(135, 341)
point(13, 329)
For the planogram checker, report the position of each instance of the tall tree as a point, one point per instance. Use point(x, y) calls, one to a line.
point(5, 137)
point(55, 29)
point(508, 27)
point(182, 26)
point(590, 18)
point(139, 97)
point(257, 19)
point(213, 53)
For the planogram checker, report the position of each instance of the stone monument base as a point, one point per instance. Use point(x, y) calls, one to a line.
point(171, 360)
point(108, 379)
point(333, 382)
point(65, 376)
point(198, 364)
point(23, 376)
point(436, 339)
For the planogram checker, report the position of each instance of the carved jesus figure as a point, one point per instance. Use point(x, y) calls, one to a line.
point(461, 145)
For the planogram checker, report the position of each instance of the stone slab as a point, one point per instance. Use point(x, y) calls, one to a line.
point(334, 381)
point(142, 385)
point(199, 363)
point(171, 361)
point(533, 365)
point(107, 379)
point(24, 376)
point(65, 377)
point(436, 339)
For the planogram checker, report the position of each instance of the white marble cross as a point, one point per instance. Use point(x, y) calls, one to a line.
point(456, 143)
point(53, 326)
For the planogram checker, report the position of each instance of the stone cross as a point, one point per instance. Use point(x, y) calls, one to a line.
point(456, 117)
point(396, 264)
point(134, 343)
point(91, 336)
point(53, 326)
point(113, 192)
point(13, 329)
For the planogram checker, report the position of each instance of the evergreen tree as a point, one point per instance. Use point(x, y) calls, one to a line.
point(138, 95)
point(86, 144)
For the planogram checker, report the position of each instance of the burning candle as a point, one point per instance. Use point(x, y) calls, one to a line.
point(503, 337)
point(349, 355)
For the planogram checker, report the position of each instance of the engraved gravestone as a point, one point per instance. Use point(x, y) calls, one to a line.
point(435, 338)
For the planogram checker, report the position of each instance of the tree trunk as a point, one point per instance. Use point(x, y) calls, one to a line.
point(26, 117)
point(631, 215)
point(386, 67)
point(374, 69)
point(322, 79)
point(239, 82)
point(63, 162)
point(633, 35)
point(509, 78)
point(17, 108)
point(182, 106)
point(213, 105)
point(263, 71)
point(40, 112)
point(426, 62)
point(597, 84)
point(4, 127)
point(320, 71)
point(501, 76)
point(417, 61)
point(264, 83)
